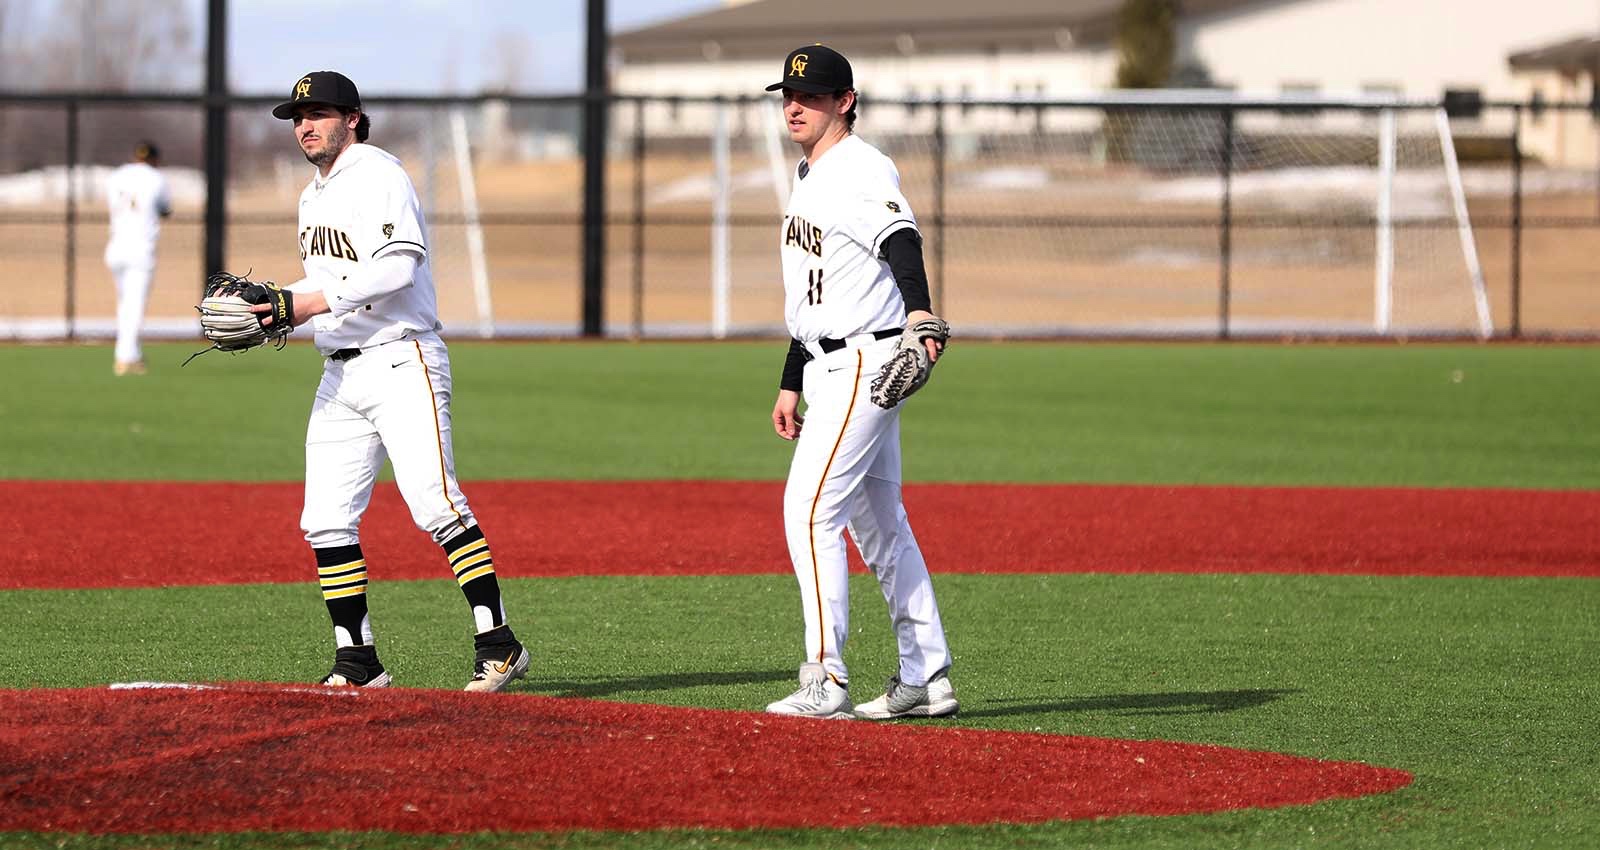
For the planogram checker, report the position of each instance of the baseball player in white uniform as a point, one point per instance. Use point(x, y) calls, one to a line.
point(853, 278)
point(137, 199)
point(385, 391)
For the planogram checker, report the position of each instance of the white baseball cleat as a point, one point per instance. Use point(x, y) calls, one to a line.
point(935, 699)
point(492, 673)
point(819, 696)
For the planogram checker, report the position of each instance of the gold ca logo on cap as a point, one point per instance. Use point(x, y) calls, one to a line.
point(302, 88)
point(797, 65)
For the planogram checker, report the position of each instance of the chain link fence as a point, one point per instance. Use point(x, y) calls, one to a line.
point(1210, 217)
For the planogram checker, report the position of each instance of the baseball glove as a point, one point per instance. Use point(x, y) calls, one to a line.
point(909, 368)
point(227, 320)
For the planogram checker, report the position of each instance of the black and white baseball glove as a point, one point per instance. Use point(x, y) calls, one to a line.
point(228, 322)
point(909, 368)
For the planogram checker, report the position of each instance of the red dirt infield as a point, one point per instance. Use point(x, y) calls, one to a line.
point(243, 757)
point(131, 534)
point(268, 757)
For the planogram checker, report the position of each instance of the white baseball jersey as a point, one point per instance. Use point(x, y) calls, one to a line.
point(364, 209)
point(840, 211)
point(137, 198)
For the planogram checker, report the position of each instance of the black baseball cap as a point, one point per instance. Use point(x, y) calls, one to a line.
point(816, 70)
point(328, 87)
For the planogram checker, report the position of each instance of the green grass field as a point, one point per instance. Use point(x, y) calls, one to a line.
point(1484, 688)
point(1449, 416)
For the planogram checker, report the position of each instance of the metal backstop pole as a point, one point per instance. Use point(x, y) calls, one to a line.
point(1516, 222)
point(1225, 228)
point(72, 219)
point(638, 219)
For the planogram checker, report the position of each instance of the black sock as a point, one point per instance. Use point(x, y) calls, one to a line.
point(473, 566)
point(342, 572)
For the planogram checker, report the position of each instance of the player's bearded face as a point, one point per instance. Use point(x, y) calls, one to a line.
point(323, 134)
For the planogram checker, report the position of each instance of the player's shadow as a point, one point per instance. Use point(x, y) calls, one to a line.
point(603, 686)
point(1185, 702)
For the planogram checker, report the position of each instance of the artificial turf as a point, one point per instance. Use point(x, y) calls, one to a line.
point(1481, 688)
point(1484, 688)
point(1360, 415)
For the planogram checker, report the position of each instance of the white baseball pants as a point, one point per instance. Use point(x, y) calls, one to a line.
point(393, 401)
point(846, 475)
point(133, 290)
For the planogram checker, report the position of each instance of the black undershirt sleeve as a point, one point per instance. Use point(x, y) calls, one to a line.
point(794, 367)
point(903, 252)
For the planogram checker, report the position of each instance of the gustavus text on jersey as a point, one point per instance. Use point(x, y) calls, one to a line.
point(322, 241)
point(804, 234)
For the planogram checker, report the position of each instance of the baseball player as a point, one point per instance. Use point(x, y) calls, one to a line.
point(137, 199)
point(385, 391)
point(853, 278)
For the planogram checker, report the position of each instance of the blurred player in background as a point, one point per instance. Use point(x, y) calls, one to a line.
point(137, 198)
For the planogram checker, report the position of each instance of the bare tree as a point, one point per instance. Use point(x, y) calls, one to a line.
point(1146, 43)
point(8, 11)
point(510, 57)
point(100, 45)
point(97, 46)
point(18, 48)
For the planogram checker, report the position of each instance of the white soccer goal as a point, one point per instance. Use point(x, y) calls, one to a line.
point(1321, 195)
point(1390, 163)
point(477, 262)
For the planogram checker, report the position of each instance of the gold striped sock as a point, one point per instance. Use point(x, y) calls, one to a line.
point(471, 561)
point(340, 581)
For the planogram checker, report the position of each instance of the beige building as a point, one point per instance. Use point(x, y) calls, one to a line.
point(1565, 71)
point(1415, 49)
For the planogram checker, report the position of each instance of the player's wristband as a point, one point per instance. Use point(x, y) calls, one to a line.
point(794, 367)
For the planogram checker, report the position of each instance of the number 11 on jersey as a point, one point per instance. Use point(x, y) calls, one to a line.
point(814, 287)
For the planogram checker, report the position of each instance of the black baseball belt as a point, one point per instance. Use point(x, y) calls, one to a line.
point(344, 354)
point(830, 345)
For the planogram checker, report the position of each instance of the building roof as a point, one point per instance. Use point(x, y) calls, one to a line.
point(1572, 56)
point(894, 27)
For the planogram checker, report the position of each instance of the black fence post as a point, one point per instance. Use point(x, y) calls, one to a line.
point(72, 219)
point(1516, 222)
point(938, 206)
point(638, 219)
point(596, 102)
point(1225, 234)
point(216, 139)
